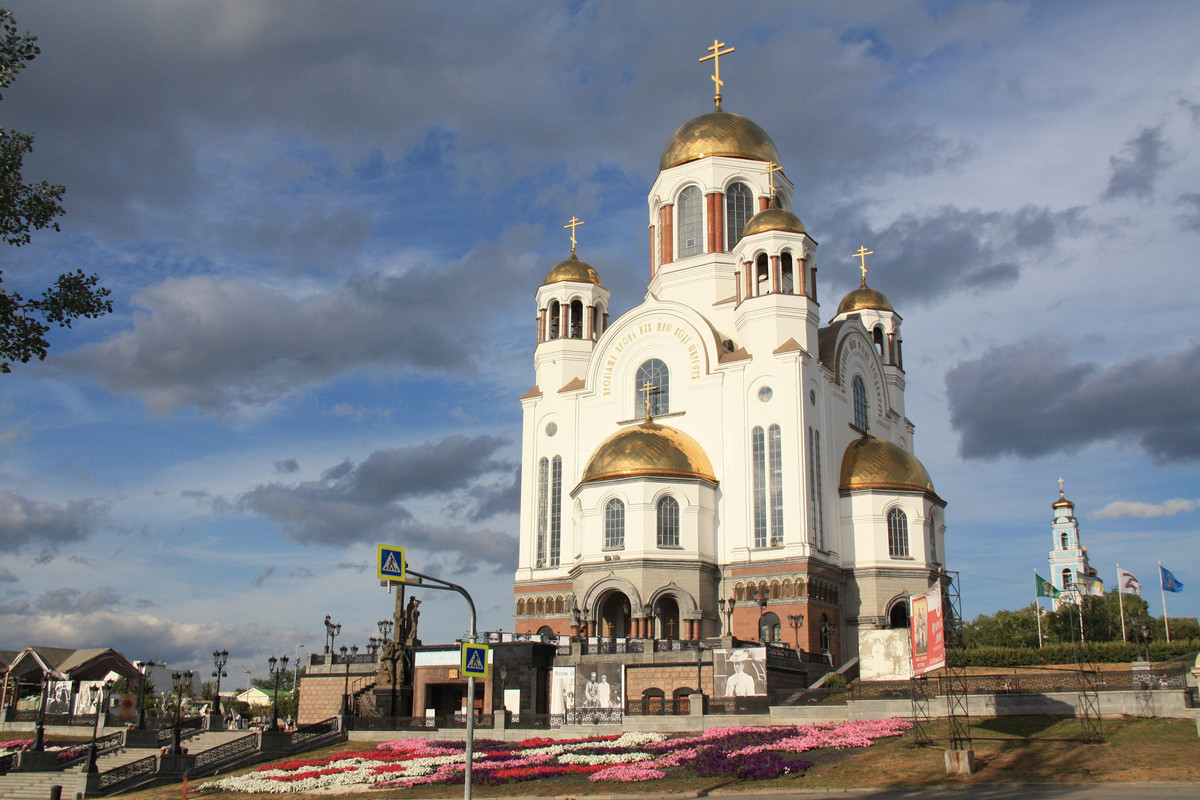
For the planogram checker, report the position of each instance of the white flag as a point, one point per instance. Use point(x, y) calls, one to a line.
point(1127, 584)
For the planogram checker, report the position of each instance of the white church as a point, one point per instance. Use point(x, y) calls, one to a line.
point(727, 457)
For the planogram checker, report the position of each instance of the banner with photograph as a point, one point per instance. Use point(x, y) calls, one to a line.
point(562, 697)
point(600, 693)
point(740, 672)
point(928, 637)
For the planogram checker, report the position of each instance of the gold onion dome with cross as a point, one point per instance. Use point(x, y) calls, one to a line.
point(871, 463)
point(775, 218)
point(572, 270)
point(718, 134)
point(648, 449)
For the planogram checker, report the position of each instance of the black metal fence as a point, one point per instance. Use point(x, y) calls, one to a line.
point(111, 780)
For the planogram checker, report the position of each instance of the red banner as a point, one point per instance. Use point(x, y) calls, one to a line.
point(926, 634)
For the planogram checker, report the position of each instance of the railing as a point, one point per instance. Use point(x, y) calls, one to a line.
point(658, 706)
point(224, 752)
point(739, 705)
point(189, 727)
point(128, 772)
point(675, 645)
point(313, 731)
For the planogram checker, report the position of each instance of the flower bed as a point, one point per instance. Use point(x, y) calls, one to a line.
point(740, 752)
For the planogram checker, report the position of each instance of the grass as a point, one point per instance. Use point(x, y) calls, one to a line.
point(1007, 750)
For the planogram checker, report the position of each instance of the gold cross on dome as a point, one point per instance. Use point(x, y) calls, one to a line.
point(648, 388)
point(573, 224)
point(1060, 485)
point(862, 254)
point(770, 171)
point(716, 54)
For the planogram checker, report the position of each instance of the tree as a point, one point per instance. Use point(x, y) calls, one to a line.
point(1004, 629)
point(26, 207)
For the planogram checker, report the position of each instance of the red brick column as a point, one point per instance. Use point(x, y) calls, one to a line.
point(668, 234)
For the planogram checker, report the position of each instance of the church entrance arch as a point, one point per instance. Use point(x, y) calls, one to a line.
point(666, 613)
point(615, 614)
point(898, 615)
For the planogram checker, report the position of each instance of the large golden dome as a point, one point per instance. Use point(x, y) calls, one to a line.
point(773, 219)
point(718, 134)
point(649, 449)
point(864, 297)
point(572, 270)
point(871, 463)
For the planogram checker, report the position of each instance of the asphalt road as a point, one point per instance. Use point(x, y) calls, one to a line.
point(1030, 791)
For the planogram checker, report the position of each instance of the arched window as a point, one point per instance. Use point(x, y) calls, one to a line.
point(614, 524)
point(762, 275)
point(691, 223)
point(655, 373)
point(668, 522)
point(860, 403)
point(739, 208)
point(877, 336)
point(543, 519)
point(520, 608)
point(898, 616)
point(555, 510)
point(825, 630)
point(758, 469)
point(545, 631)
point(541, 606)
point(576, 319)
point(816, 507)
point(931, 522)
point(787, 587)
point(1064, 540)
point(552, 325)
point(739, 593)
point(897, 524)
point(597, 321)
point(769, 629)
point(558, 605)
point(775, 483)
point(787, 278)
point(1068, 580)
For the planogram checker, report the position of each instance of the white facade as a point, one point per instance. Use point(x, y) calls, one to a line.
point(783, 518)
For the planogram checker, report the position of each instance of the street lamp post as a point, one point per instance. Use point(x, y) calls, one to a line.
point(332, 629)
point(144, 668)
point(762, 612)
point(276, 675)
point(99, 696)
point(385, 628)
point(373, 645)
point(296, 686)
point(797, 620)
point(726, 607)
point(220, 657)
point(39, 736)
point(827, 629)
point(178, 681)
point(353, 650)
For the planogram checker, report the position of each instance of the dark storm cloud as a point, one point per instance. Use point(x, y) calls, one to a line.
point(287, 466)
point(1190, 219)
point(38, 524)
point(951, 249)
point(503, 499)
point(360, 502)
point(7, 577)
point(1029, 400)
point(221, 344)
point(1135, 170)
point(69, 601)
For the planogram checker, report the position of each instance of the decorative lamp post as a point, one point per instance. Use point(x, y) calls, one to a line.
point(276, 676)
point(332, 629)
point(220, 657)
point(385, 629)
point(144, 668)
point(726, 607)
point(296, 685)
point(373, 645)
point(827, 629)
point(353, 650)
point(39, 736)
point(762, 612)
point(178, 681)
point(99, 696)
point(797, 620)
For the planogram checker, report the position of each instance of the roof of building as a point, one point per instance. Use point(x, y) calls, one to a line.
point(718, 133)
point(864, 297)
point(773, 219)
point(572, 270)
point(648, 449)
point(871, 463)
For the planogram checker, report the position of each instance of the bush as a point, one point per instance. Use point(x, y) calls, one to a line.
point(1103, 652)
point(834, 681)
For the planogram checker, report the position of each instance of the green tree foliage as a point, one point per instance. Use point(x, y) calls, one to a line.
point(1004, 629)
point(26, 207)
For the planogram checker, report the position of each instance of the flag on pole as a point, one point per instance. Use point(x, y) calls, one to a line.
point(1044, 587)
point(1089, 584)
point(1127, 584)
point(1169, 582)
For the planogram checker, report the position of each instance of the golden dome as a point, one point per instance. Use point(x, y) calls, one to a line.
point(871, 463)
point(572, 270)
point(864, 297)
point(718, 134)
point(773, 219)
point(1062, 501)
point(649, 449)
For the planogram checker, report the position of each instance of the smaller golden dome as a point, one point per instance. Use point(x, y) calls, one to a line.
point(864, 297)
point(871, 463)
point(718, 134)
point(1062, 501)
point(773, 219)
point(649, 449)
point(572, 270)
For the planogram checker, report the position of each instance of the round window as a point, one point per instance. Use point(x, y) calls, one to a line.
point(765, 393)
point(812, 397)
point(551, 428)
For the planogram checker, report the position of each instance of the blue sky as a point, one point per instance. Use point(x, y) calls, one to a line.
point(323, 227)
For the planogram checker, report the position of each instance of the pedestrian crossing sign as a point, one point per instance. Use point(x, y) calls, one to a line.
point(474, 660)
point(390, 564)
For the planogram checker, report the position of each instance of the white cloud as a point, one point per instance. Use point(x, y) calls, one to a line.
point(1121, 509)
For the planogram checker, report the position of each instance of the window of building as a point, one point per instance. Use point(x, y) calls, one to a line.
point(825, 631)
point(816, 522)
point(576, 319)
point(691, 222)
point(614, 524)
point(1064, 540)
point(897, 523)
point(656, 374)
point(739, 208)
point(543, 519)
point(1068, 579)
point(555, 318)
point(555, 510)
point(787, 278)
point(860, 403)
point(932, 523)
point(668, 522)
point(769, 629)
point(762, 275)
point(758, 471)
point(775, 482)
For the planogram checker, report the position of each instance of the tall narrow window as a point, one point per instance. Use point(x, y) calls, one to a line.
point(614, 524)
point(691, 222)
point(775, 482)
point(758, 471)
point(655, 373)
point(1068, 579)
point(860, 403)
point(1063, 538)
point(897, 523)
point(932, 539)
point(739, 207)
point(762, 275)
point(576, 319)
point(787, 278)
point(668, 522)
point(543, 509)
point(555, 510)
point(552, 325)
point(816, 522)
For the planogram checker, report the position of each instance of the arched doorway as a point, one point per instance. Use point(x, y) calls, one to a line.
point(898, 616)
point(769, 629)
point(614, 616)
point(666, 612)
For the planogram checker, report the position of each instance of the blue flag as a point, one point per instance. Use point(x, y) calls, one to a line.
point(1169, 582)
